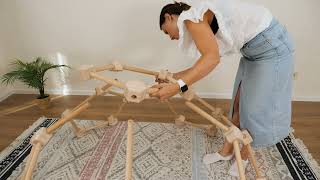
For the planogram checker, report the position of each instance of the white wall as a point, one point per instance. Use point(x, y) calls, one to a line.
point(302, 20)
point(4, 90)
point(97, 32)
point(7, 41)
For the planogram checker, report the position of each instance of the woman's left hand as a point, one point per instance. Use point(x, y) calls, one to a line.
point(166, 90)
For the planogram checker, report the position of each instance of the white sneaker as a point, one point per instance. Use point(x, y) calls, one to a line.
point(233, 171)
point(214, 157)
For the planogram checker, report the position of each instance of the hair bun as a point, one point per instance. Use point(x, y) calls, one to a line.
point(173, 8)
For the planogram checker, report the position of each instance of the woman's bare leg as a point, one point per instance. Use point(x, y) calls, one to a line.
point(227, 148)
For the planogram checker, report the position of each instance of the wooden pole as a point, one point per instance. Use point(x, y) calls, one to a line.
point(68, 117)
point(206, 115)
point(56, 97)
point(88, 99)
point(205, 103)
point(74, 125)
point(108, 80)
point(76, 129)
point(80, 132)
point(226, 120)
point(103, 68)
point(92, 97)
point(236, 149)
point(18, 108)
point(129, 159)
point(140, 70)
point(124, 102)
point(33, 161)
point(23, 175)
point(201, 126)
point(171, 79)
point(229, 123)
point(253, 160)
point(115, 93)
point(99, 125)
point(26, 106)
point(171, 107)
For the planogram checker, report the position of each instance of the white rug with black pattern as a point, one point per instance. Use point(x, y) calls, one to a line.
point(161, 151)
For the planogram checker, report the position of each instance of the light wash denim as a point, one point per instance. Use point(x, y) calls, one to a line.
point(265, 73)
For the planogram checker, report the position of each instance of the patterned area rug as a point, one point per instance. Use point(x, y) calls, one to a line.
point(161, 151)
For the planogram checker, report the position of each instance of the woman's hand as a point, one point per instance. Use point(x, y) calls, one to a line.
point(174, 75)
point(166, 90)
point(161, 80)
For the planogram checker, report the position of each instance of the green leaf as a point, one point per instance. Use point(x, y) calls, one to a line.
point(30, 73)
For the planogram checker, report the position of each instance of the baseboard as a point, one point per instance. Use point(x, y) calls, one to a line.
point(307, 98)
point(53, 91)
point(90, 92)
point(6, 95)
point(215, 95)
point(229, 96)
point(203, 95)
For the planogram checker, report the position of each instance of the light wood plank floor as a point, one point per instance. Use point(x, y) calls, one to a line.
point(305, 120)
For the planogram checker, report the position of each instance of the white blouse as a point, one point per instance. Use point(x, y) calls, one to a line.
point(238, 22)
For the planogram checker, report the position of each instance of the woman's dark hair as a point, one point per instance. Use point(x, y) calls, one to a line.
point(176, 8)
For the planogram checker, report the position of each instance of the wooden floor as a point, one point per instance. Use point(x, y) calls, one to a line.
point(305, 121)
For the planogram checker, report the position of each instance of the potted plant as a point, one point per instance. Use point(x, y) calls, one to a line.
point(33, 75)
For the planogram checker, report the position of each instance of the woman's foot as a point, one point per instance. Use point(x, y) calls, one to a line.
point(215, 157)
point(225, 154)
point(233, 171)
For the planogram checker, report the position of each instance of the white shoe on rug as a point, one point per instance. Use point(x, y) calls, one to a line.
point(214, 157)
point(233, 171)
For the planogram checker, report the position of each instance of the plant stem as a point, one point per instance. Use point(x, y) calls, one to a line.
point(41, 90)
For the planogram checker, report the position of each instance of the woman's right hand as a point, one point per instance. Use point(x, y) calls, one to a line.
point(161, 80)
point(174, 75)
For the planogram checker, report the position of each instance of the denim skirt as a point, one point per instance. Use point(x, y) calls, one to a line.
point(264, 78)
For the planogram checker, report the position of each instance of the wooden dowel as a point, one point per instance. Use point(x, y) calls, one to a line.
point(120, 108)
point(108, 80)
point(140, 70)
point(56, 97)
point(226, 120)
point(106, 87)
point(236, 149)
point(229, 123)
point(104, 68)
point(23, 175)
point(69, 116)
point(74, 126)
point(253, 160)
point(99, 125)
point(205, 103)
point(92, 97)
point(18, 108)
point(201, 126)
point(25, 106)
point(88, 99)
point(129, 159)
point(115, 93)
point(171, 79)
point(171, 107)
point(33, 161)
point(206, 115)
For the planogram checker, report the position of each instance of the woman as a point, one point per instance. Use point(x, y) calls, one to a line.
point(261, 101)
